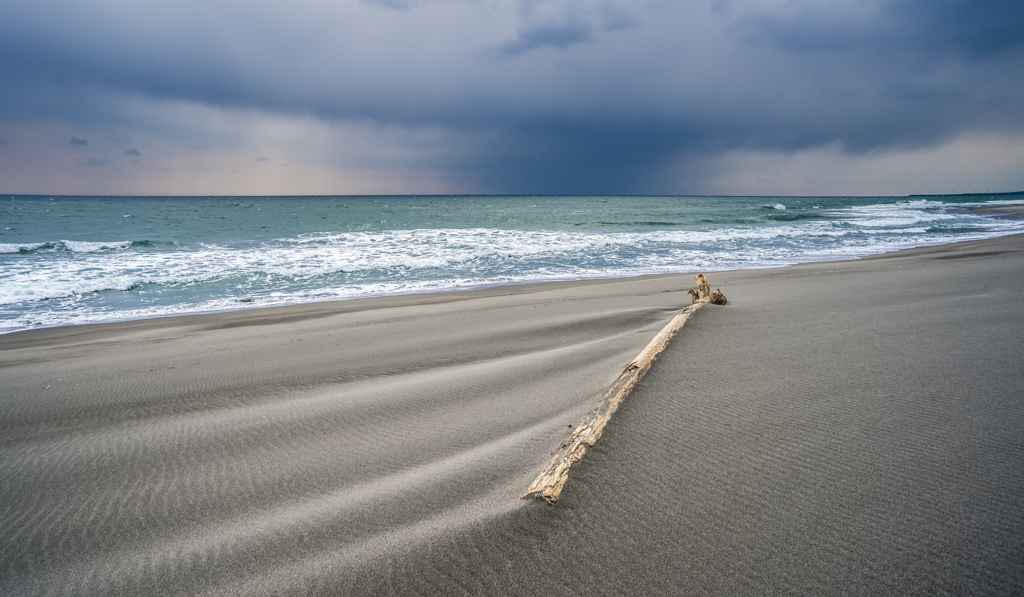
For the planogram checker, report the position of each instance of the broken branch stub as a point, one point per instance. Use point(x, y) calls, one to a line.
point(548, 485)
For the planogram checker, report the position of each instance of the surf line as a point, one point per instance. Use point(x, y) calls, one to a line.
point(548, 484)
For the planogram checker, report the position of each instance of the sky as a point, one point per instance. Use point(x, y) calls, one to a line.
point(712, 97)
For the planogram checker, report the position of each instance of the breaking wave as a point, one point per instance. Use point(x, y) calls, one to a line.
point(58, 282)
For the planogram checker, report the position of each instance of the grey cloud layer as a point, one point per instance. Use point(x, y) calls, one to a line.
point(579, 96)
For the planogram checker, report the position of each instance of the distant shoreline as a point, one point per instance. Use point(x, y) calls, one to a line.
point(1000, 194)
point(1014, 209)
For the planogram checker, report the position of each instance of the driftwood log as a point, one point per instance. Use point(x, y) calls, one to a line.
point(548, 485)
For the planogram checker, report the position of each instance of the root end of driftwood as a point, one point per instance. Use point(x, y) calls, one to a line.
point(548, 485)
point(704, 292)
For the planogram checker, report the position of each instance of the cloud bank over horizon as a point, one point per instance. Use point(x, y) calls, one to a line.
point(512, 96)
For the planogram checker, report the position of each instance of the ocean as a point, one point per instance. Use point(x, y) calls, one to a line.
point(73, 260)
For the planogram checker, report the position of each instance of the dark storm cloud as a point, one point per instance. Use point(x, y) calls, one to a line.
point(132, 151)
point(564, 29)
point(582, 96)
point(572, 162)
point(975, 28)
point(909, 72)
point(972, 29)
point(77, 141)
point(555, 35)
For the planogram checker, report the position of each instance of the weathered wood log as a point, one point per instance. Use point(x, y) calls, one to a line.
point(548, 485)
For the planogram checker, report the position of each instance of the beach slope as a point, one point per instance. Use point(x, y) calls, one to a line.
point(844, 427)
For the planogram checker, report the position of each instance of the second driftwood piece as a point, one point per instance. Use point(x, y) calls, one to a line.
point(548, 485)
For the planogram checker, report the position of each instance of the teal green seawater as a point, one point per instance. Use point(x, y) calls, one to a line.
point(66, 260)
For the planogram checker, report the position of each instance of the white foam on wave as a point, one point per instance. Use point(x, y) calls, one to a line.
point(896, 216)
point(77, 246)
point(55, 287)
point(65, 245)
point(471, 253)
point(43, 285)
point(18, 247)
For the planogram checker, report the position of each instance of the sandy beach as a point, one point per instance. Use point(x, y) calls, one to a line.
point(850, 427)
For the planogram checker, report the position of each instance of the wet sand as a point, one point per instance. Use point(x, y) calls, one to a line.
point(845, 427)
